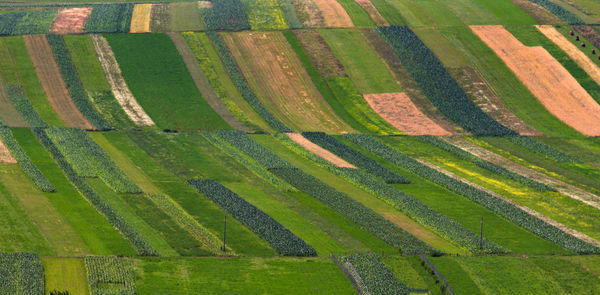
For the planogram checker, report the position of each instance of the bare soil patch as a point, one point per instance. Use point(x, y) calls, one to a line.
point(309, 13)
point(373, 13)
point(52, 82)
point(485, 98)
point(140, 19)
point(70, 20)
point(117, 84)
point(319, 151)
point(320, 54)
point(398, 110)
point(5, 156)
point(334, 14)
point(546, 78)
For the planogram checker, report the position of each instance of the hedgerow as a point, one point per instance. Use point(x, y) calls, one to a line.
point(354, 157)
point(559, 11)
point(129, 232)
point(539, 147)
point(74, 85)
point(228, 15)
point(485, 164)
point(9, 21)
point(439, 86)
point(492, 203)
point(89, 160)
point(110, 18)
point(282, 239)
point(242, 85)
point(24, 106)
point(376, 278)
point(340, 202)
point(35, 22)
point(24, 161)
point(409, 205)
point(21, 273)
point(110, 275)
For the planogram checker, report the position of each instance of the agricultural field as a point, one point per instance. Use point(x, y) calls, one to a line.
point(299, 147)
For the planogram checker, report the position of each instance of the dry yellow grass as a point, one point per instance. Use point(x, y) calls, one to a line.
point(140, 19)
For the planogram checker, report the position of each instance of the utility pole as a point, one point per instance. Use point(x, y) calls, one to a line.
point(481, 235)
point(224, 249)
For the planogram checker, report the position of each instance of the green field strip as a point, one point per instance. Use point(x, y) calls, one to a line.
point(584, 149)
point(94, 81)
point(455, 275)
point(427, 13)
point(149, 153)
point(567, 274)
point(404, 271)
point(99, 236)
point(589, 46)
point(265, 14)
point(24, 106)
point(158, 78)
point(363, 65)
point(389, 12)
point(443, 48)
point(16, 68)
point(65, 274)
point(241, 276)
point(505, 84)
point(359, 17)
point(9, 115)
point(184, 16)
point(17, 230)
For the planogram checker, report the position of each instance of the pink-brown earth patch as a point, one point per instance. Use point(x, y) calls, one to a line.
point(70, 20)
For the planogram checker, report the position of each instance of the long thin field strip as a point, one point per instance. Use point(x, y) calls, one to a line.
point(140, 20)
point(70, 20)
point(9, 115)
point(319, 151)
point(334, 14)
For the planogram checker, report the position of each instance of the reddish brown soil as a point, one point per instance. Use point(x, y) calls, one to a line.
point(319, 151)
point(398, 110)
point(5, 156)
point(546, 78)
point(372, 11)
point(70, 20)
point(52, 82)
point(334, 14)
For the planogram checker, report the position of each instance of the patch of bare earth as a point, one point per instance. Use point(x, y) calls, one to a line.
point(562, 187)
point(5, 156)
point(319, 151)
point(320, 54)
point(52, 82)
point(372, 11)
point(546, 78)
point(70, 20)
point(117, 84)
point(334, 14)
point(530, 211)
point(140, 18)
point(398, 110)
point(485, 98)
point(309, 13)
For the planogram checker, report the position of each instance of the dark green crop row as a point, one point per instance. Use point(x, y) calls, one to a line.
point(485, 164)
point(128, 231)
point(110, 18)
point(539, 147)
point(74, 85)
point(333, 145)
point(375, 276)
point(281, 238)
point(559, 11)
point(226, 15)
point(21, 273)
point(24, 161)
point(496, 205)
point(439, 86)
point(24, 106)
point(116, 272)
point(242, 85)
point(35, 22)
point(9, 21)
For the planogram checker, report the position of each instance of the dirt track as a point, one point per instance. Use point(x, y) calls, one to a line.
point(140, 19)
point(112, 72)
point(52, 82)
point(398, 110)
point(319, 151)
point(5, 156)
point(546, 78)
point(70, 20)
point(334, 14)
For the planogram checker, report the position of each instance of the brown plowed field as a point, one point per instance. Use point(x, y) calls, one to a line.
point(5, 156)
point(70, 20)
point(52, 82)
point(588, 65)
point(334, 14)
point(546, 78)
point(372, 11)
point(319, 151)
point(140, 19)
point(281, 83)
point(398, 110)
point(320, 53)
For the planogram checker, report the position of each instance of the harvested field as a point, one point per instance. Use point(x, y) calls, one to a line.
point(319, 151)
point(70, 20)
point(398, 110)
point(372, 11)
point(582, 60)
point(8, 113)
point(5, 156)
point(546, 78)
point(320, 54)
point(538, 12)
point(117, 84)
point(309, 13)
point(52, 82)
point(334, 14)
point(140, 19)
point(281, 83)
point(485, 98)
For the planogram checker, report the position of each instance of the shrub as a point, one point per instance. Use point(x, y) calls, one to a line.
point(23, 105)
point(110, 18)
point(21, 273)
point(377, 278)
point(38, 178)
point(242, 85)
point(110, 275)
point(282, 239)
point(439, 86)
point(354, 157)
point(496, 205)
point(226, 15)
point(539, 147)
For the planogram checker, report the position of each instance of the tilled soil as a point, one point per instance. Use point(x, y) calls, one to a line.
point(70, 20)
